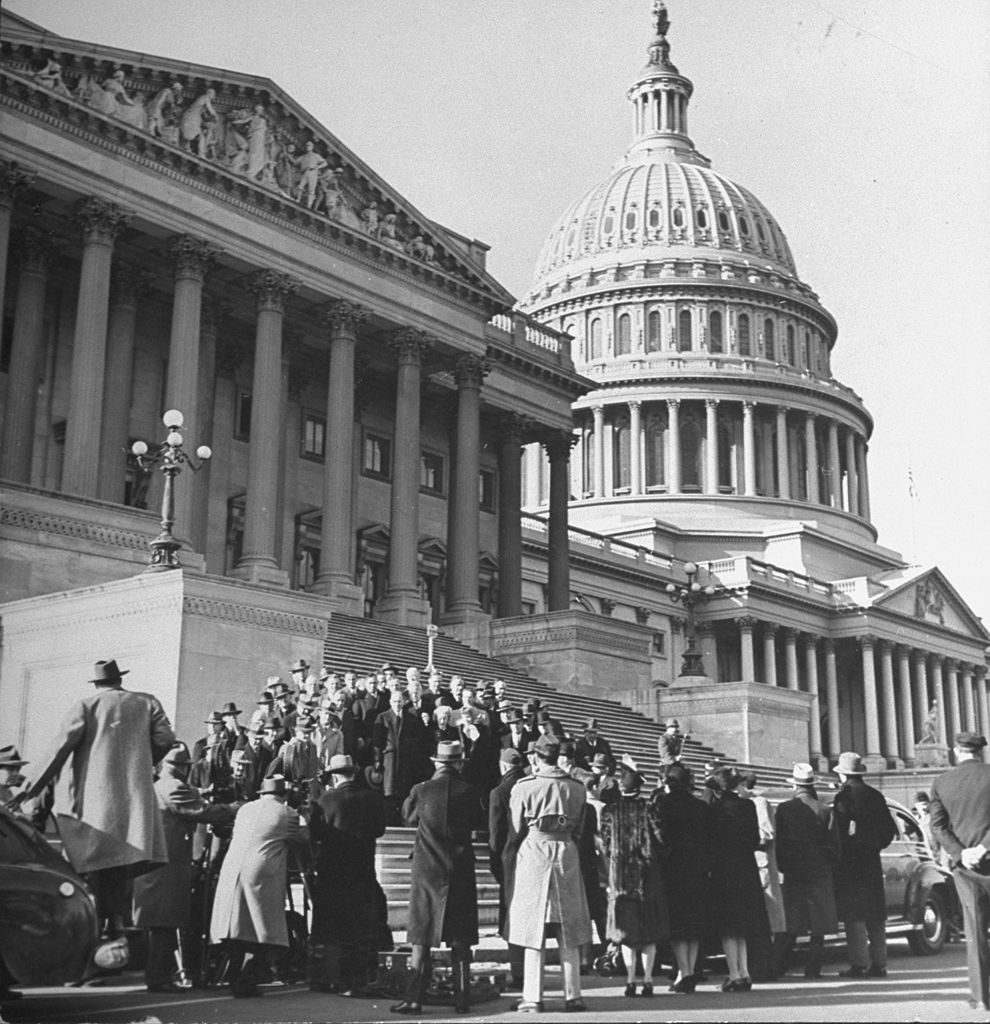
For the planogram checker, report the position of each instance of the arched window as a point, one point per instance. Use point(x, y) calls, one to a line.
point(609, 223)
point(791, 360)
point(806, 349)
point(653, 342)
point(678, 217)
point(623, 337)
point(715, 332)
point(769, 341)
point(595, 339)
point(743, 225)
point(630, 220)
point(621, 471)
point(726, 451)
point(702, 217)
point(655, 217)
point(588, 455)
point(723, 221)
point(684, 339)
point(690, 452)
point(655, 475)
point(745, 348)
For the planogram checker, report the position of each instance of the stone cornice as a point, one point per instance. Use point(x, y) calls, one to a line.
point(78, 529)
point(572, 384)
point(252, 615)
point(601, 639)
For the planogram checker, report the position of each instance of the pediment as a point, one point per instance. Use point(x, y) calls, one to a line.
point(241, 125)
point(927, 596)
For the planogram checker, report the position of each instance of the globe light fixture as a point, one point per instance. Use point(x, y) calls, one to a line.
point(691, 594)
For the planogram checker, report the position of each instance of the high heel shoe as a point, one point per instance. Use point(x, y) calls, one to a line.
point(686, 985)
point(647, 989)
point(630, 990)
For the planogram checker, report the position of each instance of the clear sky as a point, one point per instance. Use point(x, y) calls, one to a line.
point(863, 126)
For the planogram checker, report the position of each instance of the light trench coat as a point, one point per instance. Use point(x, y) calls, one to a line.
point(547, 884)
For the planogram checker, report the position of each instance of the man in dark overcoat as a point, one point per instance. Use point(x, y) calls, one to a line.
point(162, 897)
point(960, 808)
point(863, 827)
point(443, 894)
point(806, 852)
point(394, 737)
point(503, 842)
point(345, 824)
point(591, 743)
point(670, 744)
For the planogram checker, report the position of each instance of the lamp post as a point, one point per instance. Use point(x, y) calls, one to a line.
point(691, 595)
point(170, 456)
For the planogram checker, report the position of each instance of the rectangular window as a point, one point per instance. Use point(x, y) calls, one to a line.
point(660, 644)
point(376, 458)
point(486, 490)
point(431, 472)
point(242, 417)
point(314, 436)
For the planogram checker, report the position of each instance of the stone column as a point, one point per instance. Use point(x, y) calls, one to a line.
point(834, 466)
point(336, 575)
point(636, 447)
point(205, 533)
point(708, 648)
point(938, 685)
point(259, 563)
point(463, 544)
point(36, 252)
point(870, 703)
point(832, 699)
point(889, 700)
point(952, 685)
point(905, 702)
point(814, 712)
point(101, 222)
point(983, 713)
point(674, 437)
point(558, 449)
point(749, 450)
point(783, 455)
point(598, 478)
point(920, 690)
point(13, 181)
point(127, 286)
point(403, 602)
point(811, 458)
point(770, 653)
point(711, 448)
point(864, 480)
point(852, 476)
point(509, 522)
point(790, 658)
point(746, 624)
point(969, 709)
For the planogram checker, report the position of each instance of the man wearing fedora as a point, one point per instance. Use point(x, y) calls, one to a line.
point(236, 733)
point(591, 743)
point(249, 905)
point(162, 897)
point(109, 822)
point(960, 809)
point(670, 744)
point(443, 894)
point(503, 841)
point(214, 727)
point(806, 852)
point(863, 827)
point(299, 764)
point(11, 778)
point(345, 824)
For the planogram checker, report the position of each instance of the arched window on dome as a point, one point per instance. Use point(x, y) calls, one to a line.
point(726, 453)
point(701, 215)
point(745, 345)
point(656, 478)
point(743, 225)
point(715, 342)
point(653, 340)
point(760, 231)
point(595, 339)
point(691, 433)
point(654, 218)
point(571, 236)
point(623, 335)
point(769, 339)
point(621, 465)
point(678, 217)
point(685, 341)
point(724, 224)
point(806, 350)
point(630, 220)
point(790, 354)
point(608, 225)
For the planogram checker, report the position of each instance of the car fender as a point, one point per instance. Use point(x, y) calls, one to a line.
point(925, 878)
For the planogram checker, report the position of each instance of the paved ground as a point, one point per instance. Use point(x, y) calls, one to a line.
point(917, 989)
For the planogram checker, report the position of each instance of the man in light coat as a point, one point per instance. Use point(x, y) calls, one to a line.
point(249, 907)
point(548, 889)
point(109, 823)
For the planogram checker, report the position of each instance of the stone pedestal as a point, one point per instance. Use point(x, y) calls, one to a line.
point(931, 755)
point(194, 641)
point(404, 609)
point(750, 722)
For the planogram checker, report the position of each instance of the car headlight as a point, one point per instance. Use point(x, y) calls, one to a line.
point(66, 889)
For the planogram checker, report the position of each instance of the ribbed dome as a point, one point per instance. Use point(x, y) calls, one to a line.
point(654, 208)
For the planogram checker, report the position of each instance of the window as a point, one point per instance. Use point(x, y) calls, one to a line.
point(431, 472)
point(653, 343)
point(684, 339)
point(743, 225)
point(654, 217)
point(702, 217)
point(595, 340)
point(609, 223)
point(690, 452)
point(769, 343)
point(314, 436)
point(789, 351)
point(715, 332)
point(655, 477)
point(242, 417)
point(6, 342)
point(660, 644)
point(723, 221)
point(744, 342)
point(486, 490)
point(630, 220)
point(623, 341)
point(621, 473)
point(678, 217)
point(376, 458)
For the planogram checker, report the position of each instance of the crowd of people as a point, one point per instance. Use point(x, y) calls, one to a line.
point(581, 850)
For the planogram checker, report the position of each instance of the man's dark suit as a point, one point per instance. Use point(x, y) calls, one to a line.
point(960, 809)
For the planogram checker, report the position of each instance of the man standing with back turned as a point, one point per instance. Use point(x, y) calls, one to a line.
point(960, 809)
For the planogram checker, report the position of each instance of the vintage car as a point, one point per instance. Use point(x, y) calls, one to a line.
point(48, 927)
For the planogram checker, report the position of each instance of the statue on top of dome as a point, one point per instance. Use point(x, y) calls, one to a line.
point(660, 19)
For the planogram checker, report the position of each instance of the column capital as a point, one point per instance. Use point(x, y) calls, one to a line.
point(677, 623)
point(410, 344)
point(558, 445)
point(128, 284)
point(711, 403)
point(748, 406)
point(790, 634)
point(810, 417)
point(938, 659)
point(192, 257)
point(866, 640)
point(673, 404)
point(705, 628)
point(271, 289)
point(101, 221)
point(828, 644)
point(470, 371)
point(747, 623)
point(770, 628)
point(886, 645)
point(343, 316)
point(918, 656)
point(36, 250)
point(952, 664)
point(14, 179)
point(811, 640)
point(642, 614)
point(635, 403)
point(513, 425)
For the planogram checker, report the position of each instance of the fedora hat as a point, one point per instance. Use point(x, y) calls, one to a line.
point(672, 723)
point(515, 716)
point(179, 754)
point(10, 758)
point(240, 756)
point(280, 689)
point(300, 666)
point(849, 763)
point(107, 672)
point(273, 784)
point(374, 777)
point(803, 774)
point(548, 746)
point(505, 705)
point(215, 718)
point(448, 752)
point(591, 725)
point(970, 741)
point(230, 708)
point(340, 763)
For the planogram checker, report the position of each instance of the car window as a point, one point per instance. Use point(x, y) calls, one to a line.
point(908, 827)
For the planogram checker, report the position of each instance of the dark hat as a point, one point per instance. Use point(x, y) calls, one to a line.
point(240, 756)
point(273, 784)
point(271, 722)
point(280, 689)
point(970, 741)
point(591, 725)
point(630, 781)
point(10, 758)
point(533, 704)
point(725, 779)
point(305, 724)
point(107, 672)
point(230, 708)
point(215, 718)
point(531, 747)
point(568, 749)
point(511, 756)
point(678, 776)
point(448, 752)
point(921, 797)
point(179, 754)
point(543, 718)
point(387, 667)
point(265, 699)
point(850, 763)
point(300, 666)
point(548, 747)
point(515, 715)
point(375, 777)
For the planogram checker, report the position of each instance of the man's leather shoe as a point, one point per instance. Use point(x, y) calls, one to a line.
point(407, 1007)
point(574, 1006)
point(876, 971)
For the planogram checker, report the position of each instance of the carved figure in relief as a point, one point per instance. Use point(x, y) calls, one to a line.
point(163, 113)
point(112, 99)
point(329, 198)
point(416, 247)
point(50, 76)
point(387, 229)
point(252, 144)
point(370, 217)
point(310, 165)
point(929, 729)
point(286, 171)
point(198, 123)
